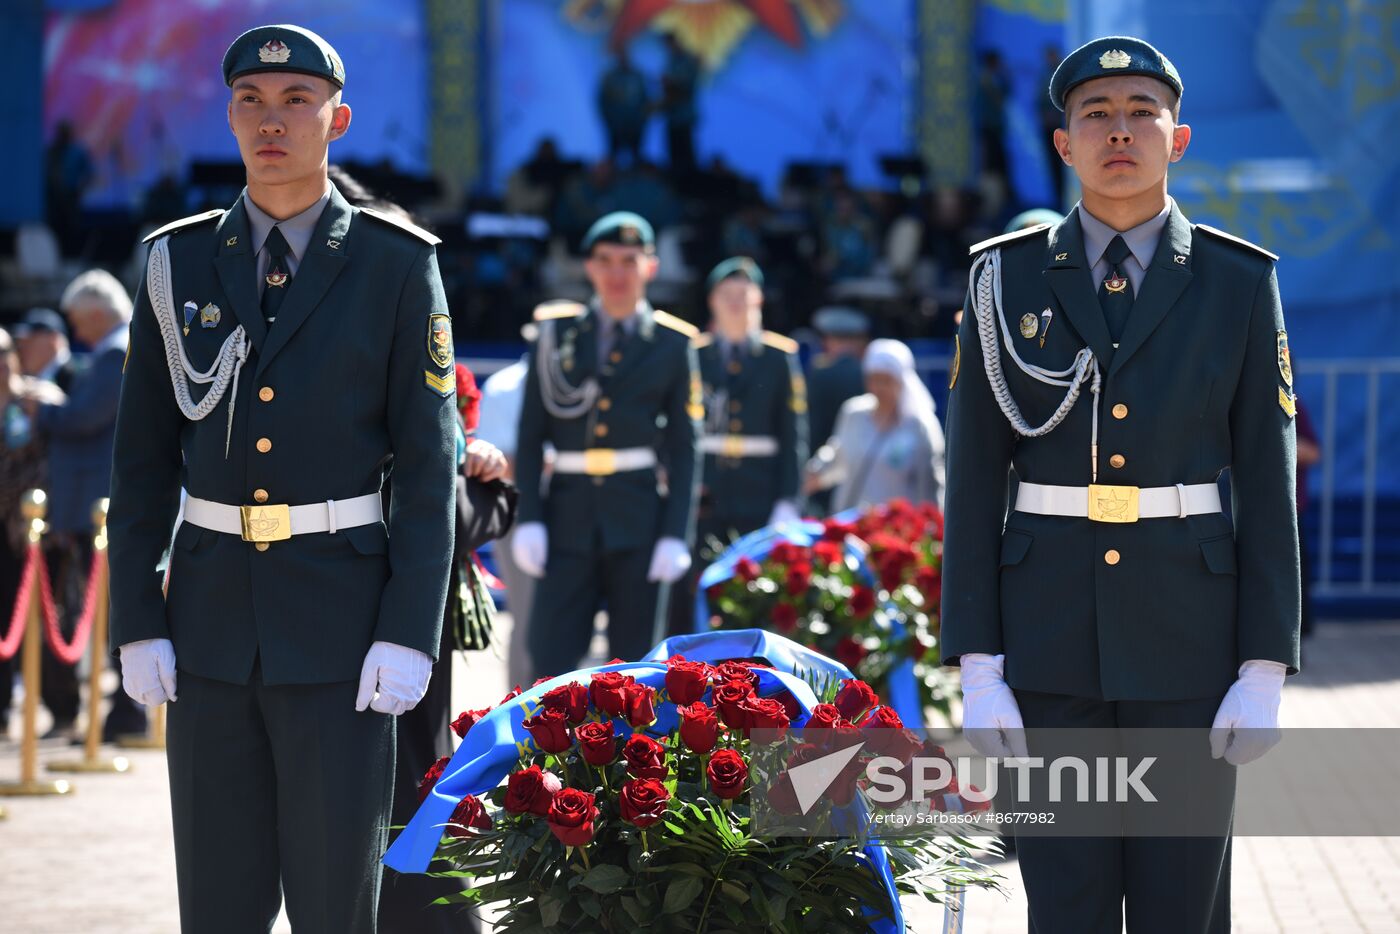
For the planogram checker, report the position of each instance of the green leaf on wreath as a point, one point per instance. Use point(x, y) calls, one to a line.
point(605, 878)
point(680, 893)
point(550, 910)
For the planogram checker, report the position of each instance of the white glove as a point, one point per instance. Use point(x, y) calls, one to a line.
point(148, 671)
point(393, 679)
point(783, 511)
point(529, 546)
point(1246, 726)
point(670, 559)
point(991, 719)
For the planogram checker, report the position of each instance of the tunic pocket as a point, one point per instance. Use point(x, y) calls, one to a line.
point(1014, 546)
point(1219, 554)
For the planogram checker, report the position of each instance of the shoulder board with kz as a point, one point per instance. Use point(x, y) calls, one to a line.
point(183, 222)
point(552, 311)
point(779, 342)
point(407, 227)
point(1231, 238)
point(1006, 238)
point(675, 324)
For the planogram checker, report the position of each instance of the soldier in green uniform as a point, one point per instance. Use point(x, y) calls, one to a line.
point(755, 437)
point(285, 356)
point(1118, 362)
point(614, 388)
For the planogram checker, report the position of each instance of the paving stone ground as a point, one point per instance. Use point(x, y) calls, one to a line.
point(100, 861)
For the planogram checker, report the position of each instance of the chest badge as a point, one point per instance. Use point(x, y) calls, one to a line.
point(1046, 317)
point(1029, 326)
point(209, 316)
point(276, 279)
point(191, 309)
point(1115, 284)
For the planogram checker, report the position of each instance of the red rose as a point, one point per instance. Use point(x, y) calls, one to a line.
point(430, 777)
point(643, 801)
point(849, 652)
point(597, 743)
point(571, 816)
point(550, 730)
point(784, 618)
point(842, 790)
point(835, 530)
point(824, 717)
point(468, 398)
point(763, 713)
point(854, 698)
point(715, 591)
point(785, 553)
point(891, 572)
point(799, 579)
point(512, 694)
point(735, 671)
point(828, 553)
point(699, 728)
point(646, 758)
point(571, 699)
point(916, 648)
point(862, 601)
point(790, 705)
point(686, 681)
point(468, 719)
point(530, 791)
point(746, 569)
point(639, 704)
point(606, 691)
point(888, 741)
point(469, 815)
point(929, 582)
point(727, 773)
point(728, 697)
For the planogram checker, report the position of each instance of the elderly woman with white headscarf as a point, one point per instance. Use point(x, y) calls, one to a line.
point(887, 443)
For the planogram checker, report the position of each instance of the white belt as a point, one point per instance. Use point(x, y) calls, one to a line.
point(603, 462)
point(275, 523)
point(1104, 503)
point(739, 445)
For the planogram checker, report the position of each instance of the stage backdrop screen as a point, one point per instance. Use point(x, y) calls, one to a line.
point(783, 80)
point(140, 82)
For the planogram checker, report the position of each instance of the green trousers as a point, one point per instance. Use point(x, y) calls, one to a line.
point(278, 789)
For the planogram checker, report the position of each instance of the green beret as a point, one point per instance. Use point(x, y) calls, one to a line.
point(620, 227)
point(282, 48)
point(734, 267)
point(1107, 57)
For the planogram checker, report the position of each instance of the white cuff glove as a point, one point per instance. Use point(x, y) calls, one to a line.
point(670, 559)
point(148, 671)
point(529, 546)
point(393, 679)
point(991, 719)
point(1246, 726)
point(784, 511)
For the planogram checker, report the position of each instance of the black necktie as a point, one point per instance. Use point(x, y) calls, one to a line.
point(1116, 291)
point(279, 274)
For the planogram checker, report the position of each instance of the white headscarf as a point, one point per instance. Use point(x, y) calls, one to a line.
point(896, 359)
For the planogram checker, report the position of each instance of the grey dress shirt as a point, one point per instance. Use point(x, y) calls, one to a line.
point(1142, 241)
point(296, 229)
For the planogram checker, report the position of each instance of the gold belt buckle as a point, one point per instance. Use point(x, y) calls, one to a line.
point(600, 462)
point(733, 446)
point(1118, 504)
point(266, 523)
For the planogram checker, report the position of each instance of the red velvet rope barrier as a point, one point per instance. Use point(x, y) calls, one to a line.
point(10, 644)
point(69, 652)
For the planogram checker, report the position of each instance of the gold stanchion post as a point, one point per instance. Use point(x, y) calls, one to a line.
point(154, 737)
point(91, 762)
point(33, 507)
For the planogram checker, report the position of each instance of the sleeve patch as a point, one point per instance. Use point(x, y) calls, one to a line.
point(695, 408)
point(1285, 360)
point(440, 340)
point(442, 385)
point(1288, 402)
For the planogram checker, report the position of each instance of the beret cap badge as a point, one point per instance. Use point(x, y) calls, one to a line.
point(274, 51)
point(1115, 58)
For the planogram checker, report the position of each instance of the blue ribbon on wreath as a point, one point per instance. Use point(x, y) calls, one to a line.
point(495, 744)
